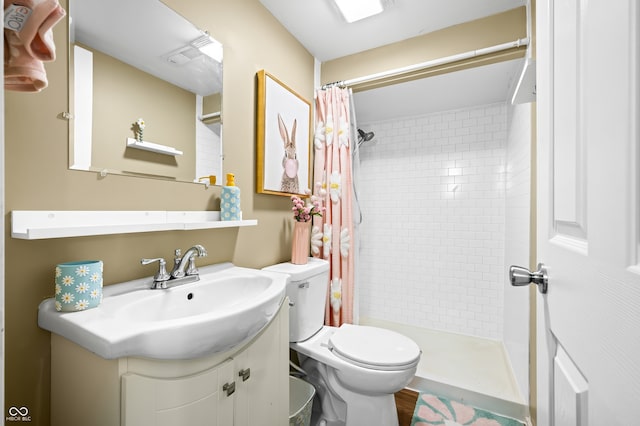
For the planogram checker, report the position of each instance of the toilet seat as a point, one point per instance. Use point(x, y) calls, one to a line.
point(374, 348)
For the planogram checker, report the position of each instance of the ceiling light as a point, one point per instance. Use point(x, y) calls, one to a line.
point(355, 10)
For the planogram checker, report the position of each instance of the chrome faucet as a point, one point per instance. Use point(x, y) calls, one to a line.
point(186, 264)
point(184, 268)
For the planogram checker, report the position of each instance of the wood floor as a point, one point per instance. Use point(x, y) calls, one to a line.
point(405, 403)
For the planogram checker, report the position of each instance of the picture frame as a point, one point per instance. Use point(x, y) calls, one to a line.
point(283, 163)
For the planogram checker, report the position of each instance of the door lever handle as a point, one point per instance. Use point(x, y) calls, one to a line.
point(520, 276)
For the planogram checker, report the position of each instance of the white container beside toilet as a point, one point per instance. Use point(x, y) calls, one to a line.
point(355, 369)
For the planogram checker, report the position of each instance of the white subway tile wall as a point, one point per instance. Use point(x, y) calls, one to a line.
point(432, 194)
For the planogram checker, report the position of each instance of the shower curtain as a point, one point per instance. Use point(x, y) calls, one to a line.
point(332, 233)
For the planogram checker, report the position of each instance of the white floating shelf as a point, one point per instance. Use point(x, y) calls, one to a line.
point(42, 224)
point(153, 147)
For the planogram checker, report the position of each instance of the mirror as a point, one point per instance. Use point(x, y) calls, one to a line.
point(140, 60)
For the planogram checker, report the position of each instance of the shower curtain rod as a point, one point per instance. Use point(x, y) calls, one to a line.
point(430, 64)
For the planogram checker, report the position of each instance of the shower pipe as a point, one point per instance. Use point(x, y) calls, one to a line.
point(430, 64)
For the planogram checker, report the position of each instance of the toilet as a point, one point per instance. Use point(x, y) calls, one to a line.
point(355, 369)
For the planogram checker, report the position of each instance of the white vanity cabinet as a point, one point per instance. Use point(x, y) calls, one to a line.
point(175, 401)
point(247, 386)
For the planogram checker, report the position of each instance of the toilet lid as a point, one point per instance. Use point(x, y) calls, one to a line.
point(375, 348)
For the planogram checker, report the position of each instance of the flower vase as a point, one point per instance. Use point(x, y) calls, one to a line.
point(300, 243)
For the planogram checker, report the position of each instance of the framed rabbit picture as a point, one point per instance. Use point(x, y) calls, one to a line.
point(283, 139)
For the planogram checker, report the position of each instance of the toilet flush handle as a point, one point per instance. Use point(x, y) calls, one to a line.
point(301, 286)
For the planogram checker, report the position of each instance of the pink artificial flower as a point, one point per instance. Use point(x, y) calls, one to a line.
point(304, 212)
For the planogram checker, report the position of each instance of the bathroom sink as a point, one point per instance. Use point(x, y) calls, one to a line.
point(227, 307)
point(191, 301)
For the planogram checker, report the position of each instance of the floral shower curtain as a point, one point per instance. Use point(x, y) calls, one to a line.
point(332, 233)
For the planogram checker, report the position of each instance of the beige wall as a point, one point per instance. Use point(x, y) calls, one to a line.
point(37, 179)
point(490, 31)
point(211, 104)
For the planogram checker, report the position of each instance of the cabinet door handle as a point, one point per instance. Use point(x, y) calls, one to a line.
point(229, 388)
point(245, 374)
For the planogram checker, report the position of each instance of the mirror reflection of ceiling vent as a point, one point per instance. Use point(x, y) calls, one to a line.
point(183, 55)
point(203, 45)
point(202, 41)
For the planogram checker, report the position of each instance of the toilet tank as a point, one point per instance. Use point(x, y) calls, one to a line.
point(307, 288)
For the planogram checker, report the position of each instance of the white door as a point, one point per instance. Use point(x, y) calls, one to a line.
point(588, 212)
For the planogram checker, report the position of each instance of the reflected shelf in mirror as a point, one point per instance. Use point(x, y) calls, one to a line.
point(153, 147)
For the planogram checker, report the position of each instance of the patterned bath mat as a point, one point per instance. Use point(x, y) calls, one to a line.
point(436, 410)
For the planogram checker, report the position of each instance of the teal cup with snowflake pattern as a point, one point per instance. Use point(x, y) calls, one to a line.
point(78, 285)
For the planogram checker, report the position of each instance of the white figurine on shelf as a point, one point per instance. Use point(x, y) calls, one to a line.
point(139, 129)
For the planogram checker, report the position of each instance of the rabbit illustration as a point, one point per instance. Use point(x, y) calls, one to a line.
point(289, 181)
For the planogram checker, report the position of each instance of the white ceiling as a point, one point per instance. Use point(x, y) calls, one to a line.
point(320, 28)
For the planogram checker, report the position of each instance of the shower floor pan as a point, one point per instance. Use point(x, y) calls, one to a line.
point(469, 369)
